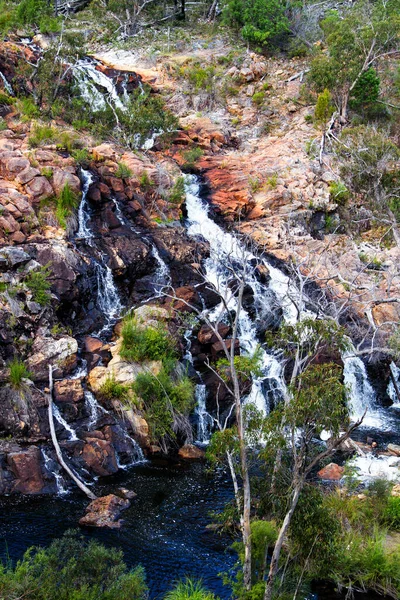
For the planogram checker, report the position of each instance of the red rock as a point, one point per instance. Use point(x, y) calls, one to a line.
point(18, 237)
point(207, 336)
point(104, 191)
point(9, 224)
point(16, 164)
point(186, 296)
point(39, 188)
point(331, 472)
point(217, 349)
point(99, 455)
point(27, 175)
point(104, 512)
point(92, 344)
point(25, 465)
point(62, 178)
point(189, 451)
point(68, 390)
point(117, 184)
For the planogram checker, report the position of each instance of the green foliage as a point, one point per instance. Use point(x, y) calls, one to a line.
point(366, 91)
point(41, 134)
point(123, 171)
point(111, 389)
point(339, 193)
point(82, 156)
point(67, 202)
point(47, 172)
point(3, 124)
point(323, 108)
point(166, 397)
point(17, 373)
point(262, 22)
point(391, 515)
point(140, 343)
point(5, 99)
point(145, 182)
point(31, 12)
point(72, 569)
point(38, 282)
point(202, 78)
point(28, 109)
point(189, 589)
point(258, 98)
point(246, 366)
point(191, 157)
point(177, 193)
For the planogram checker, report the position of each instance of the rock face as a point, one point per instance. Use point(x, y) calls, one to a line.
point(25, 465)
point(45, 351)
point(104, 512)
point(188, 451)
point(331, 472)
point(99, 456)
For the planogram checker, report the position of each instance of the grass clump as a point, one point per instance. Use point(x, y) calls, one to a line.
point(82, 156)
point(72, 568)
point(18, 372)
point(191, 157)
point(177, 192)
point(141, 343)
point(38, 283)
point(258, 98)
point(339, 193)
point(123, 171)
point(189, 589)
point(66, 203)
point(41, 134)
point(111, 389)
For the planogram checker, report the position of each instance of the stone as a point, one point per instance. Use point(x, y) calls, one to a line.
point(45, 351)
point(394, 449)
point(18, 237)
point(217, 348)
point(68, 390)
point(331, 472)
point(16, 164)
point(14, 256)
point(25, 466)
point(27, 175)
point(189, 451)
point(39, 188)
point(104, 512)
point(99, 456)
point(92, 344)
point(127, 494)
point(207, 336)
point(396, 490)
point(62, 178)
point(262, 273)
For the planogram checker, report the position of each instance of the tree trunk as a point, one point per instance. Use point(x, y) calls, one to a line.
point(273, 568)
point(60, 459)
point(183, 9)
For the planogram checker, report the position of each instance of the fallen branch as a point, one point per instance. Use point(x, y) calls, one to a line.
point(56, 445)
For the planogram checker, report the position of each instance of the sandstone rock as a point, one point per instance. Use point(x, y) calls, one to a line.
point(62, 178)
point(25, 465)
point(140, 428)
point(207, 336)
point(15, 165)
point(146, 313)
point(104, 152)
point(39, 188)
point(104, 512)
point(18, 237)
point(217, 349)
point(45, 351)
point(331, 472)
point(27, 175)
point(396, 490)
point(99, 456)
point(68, 390)
point(189, 451)
point(394, 449)
point(92, 344)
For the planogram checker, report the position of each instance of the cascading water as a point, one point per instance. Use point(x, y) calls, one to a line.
point(205, 422)
point(224, 248)
point(89, 79)
point(50, 468)
point(63, 422)
point(362, 394)
point(392, 392)
point(84, 230)
point(7, 84)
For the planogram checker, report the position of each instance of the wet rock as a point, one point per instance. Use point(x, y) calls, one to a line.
point(99, 456)
point(331, 472)
point(189, 451)
point(262, 273)
point(104, 512)
point(69, 390)
point(394, 449)
point(207, 336)
point(92, 344)
point(127, 494)
point(217, 348)
point(26, 467)
point(140, 428)
point(46, 351)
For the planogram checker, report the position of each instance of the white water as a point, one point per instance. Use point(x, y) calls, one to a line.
point(61, 489)
point(108, 300)
point(63, 422)
point(89, 79)
point(7, 84)
point(93, 408)
point(205, 422)
point(391, 389)
point(84, 230)
point(227, 255)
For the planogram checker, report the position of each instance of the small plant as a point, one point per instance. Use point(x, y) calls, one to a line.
point(67, 141)
point(67, 202)
point(47, 172)
point(189, 590)
point(38, 283)
point(272, 181)
point(309, 118)
point(41, 134)
point(123, 171)
point(18, 372)
point(177, 193)
point(28, 109)
point(111, 389)
point(258, 98)
point(3, 124)
point(145, 181)
point(254, 184)
point(5, 100)
point(339, 192)
point(82, 156)
point(191, 157)
point(141, 343)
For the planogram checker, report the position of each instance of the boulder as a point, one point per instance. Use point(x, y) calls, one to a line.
point(207, 336)
point(331, 472)
point(99, 456)
point(217, 348)
point(39, 188)
point(396, 490)
point(62, 178)
point(11, 257)
point(69, 390)
point(104, 512)
point(92, 344)
point(127, 494)
point(25, 465)
point(394, 449)
point(189, 451)
point(46, 350)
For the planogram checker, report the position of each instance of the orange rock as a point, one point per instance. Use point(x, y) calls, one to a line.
point(189, 451)
point(331, 472)
point(104, 512)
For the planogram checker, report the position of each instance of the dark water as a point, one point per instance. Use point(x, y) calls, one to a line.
point(165, 527)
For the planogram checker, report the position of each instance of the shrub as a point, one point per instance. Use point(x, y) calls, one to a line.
point(189, 590)
point(339, 192)
point(177, 192)
point(5, 99)
point(262, 22)
point(391, 513)
point(191, 157)
point(123, 171)
point(67, 202)
point(258, 98)
point(112, 389)
point(141, 343)
point(38, 283)
point(18, 372)
point(145, 181)
point(28, 109)
point(82, 156)
point(3, 124)
point(41, 134)
point(72, 568)
point(47, 172)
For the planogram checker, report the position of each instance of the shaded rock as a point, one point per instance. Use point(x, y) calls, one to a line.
point(217, 348)
point(26, 468)
point(207, 336)
point(104, 512)
point(46, 351)
point(331, 472)
point(62, 178)
point(99, 456)
point(68, 390)
point(92, 344)
point(394, 449)
point(13, 256)
point(189, 451)
point(127, 494)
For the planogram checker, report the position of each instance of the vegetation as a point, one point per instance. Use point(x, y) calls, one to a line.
point(17, 373)
point(262, 22)
point(140, 343)
point(38, 282)
point(123, 171)
point(111, 389)
point(66, 203)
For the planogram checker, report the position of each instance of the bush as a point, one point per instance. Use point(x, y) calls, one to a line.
point(258, 98)
point(72, 568)
point(82, 156)
point(191, 157)
point(177, 192)
point(141, 343)
point(123, 171)
point(262, 22)
point(38, 283)
point(339, 192)
point(41, 134)
point(391, 514)
point(189, 590)
point(28, 109)
point(67, 202)
point(5, 99)
point(112, 389)
point(18, 372)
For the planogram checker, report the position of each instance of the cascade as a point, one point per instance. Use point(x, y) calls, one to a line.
point(63, 422)
point(205, 422)
point(7, 84)
point(93, 408)
point(225, 247)
point(391, 389)
point(89, 79)
point(49, 466)
point(84, 230)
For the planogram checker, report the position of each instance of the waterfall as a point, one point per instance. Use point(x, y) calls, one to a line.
point(83, 211)
point(7, 84)
point(93, 408)
point(391, 389)
point(63, 422)
point(108, 300)
point(205, 422)
point(49, 464)
point(224, 248)
point(89, 79)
